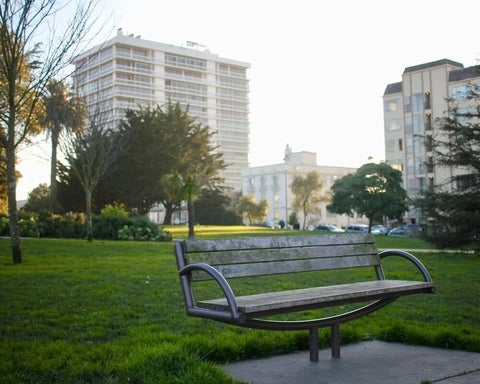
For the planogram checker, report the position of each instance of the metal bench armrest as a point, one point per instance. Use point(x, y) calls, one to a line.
point(224, 286)
point(408, 256)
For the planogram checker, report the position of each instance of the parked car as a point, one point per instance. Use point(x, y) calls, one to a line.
point(406, 230)
point(328, 228)
point(412, 229)
point(399, 231)
point(379, 230)
point(357, 228)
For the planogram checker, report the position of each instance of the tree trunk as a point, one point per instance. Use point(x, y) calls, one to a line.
point(191, 220)
point(305, 213)
point(168, 213)
point(88, 209)
point(12, 205)
point(53, 171)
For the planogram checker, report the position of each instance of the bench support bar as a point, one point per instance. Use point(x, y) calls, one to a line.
point(335, 340)
point(313, 345)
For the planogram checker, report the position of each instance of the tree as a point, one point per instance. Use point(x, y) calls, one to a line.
point(3, 185)
point(453, 208)
point(91, 154)
point(199, 165)
point(211, 208)
point(38, 199)
point(63, 111)
point(307, 194)
point(248, 208)
point(199, 171)
point(26, 65)
point(170, 159)
point(374, 191)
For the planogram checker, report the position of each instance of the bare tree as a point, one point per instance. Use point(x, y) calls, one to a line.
point(307, 192)
point(33, 49)
point(92, 155)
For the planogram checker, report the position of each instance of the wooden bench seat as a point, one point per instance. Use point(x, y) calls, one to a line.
point(225, 259)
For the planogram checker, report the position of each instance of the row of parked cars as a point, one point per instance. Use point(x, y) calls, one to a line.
point(407, 230)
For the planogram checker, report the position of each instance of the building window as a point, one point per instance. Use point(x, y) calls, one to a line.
point(275, 182)
point(418, 124)
point(276, 214)
point(276, 197)
point(417, 102)
point(398, 167)
point(393, 125)
point(390, 145)
point(408, 123)
point(392, 105)
point(466, 181)
point(408, 104)
point(460, 93)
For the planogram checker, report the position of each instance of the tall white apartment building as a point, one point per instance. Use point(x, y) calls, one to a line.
point(128, 72)
point(272, 183)
point(411, 108)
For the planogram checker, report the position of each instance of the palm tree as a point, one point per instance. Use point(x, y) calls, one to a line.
point(64, 112)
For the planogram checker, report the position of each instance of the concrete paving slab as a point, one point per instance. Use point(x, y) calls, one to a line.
point(369, 362)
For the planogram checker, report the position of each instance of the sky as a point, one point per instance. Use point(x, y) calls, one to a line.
point(318, 68)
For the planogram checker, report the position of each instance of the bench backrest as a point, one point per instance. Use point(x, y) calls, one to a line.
point(242, 257)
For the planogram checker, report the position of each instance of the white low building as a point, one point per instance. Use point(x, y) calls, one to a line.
point(272, 183)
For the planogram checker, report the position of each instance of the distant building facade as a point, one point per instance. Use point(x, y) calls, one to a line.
point(272, 183)
point(127, 72)
point(410, 109)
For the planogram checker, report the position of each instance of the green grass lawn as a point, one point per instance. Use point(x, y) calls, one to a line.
point(112, 312)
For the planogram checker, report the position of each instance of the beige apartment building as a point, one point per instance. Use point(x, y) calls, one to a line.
point(272, 183)
point(128, 72)
point(411, 108)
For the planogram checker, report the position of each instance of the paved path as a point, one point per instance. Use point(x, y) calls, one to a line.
point(368, 362)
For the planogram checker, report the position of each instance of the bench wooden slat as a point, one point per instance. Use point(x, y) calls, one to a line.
point(291, 266)
point(319, 297)
point(194, 245)
point(257, 255)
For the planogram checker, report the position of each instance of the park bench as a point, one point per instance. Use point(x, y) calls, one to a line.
point(222, 260)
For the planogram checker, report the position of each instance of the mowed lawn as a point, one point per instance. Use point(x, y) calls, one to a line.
point(112, 312)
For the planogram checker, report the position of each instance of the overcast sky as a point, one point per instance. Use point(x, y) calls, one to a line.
point(318, 68)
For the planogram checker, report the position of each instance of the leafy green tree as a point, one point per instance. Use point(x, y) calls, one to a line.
point(307, 194)
point(374, 190)
point(293, 219)
point(453, 208)
point(211, 208)
point(38, 199)
point(63, 112)
point(170, 159)
point(26, 65)
point(248, 208)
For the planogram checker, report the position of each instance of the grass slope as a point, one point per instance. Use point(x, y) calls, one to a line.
point(112, 312)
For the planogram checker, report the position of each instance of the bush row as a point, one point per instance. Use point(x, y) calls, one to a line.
point(73, 226)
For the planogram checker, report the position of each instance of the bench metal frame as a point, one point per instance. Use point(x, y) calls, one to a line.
point(243, 257)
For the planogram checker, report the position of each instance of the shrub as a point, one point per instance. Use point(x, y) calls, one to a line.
point(28, 227)
point(112, 224)
point(114, 210)
point(107, 227)
point(140, 228)
point(4, 225)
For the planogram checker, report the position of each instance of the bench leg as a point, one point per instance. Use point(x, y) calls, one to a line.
point(335, 340)
point(313, 344)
